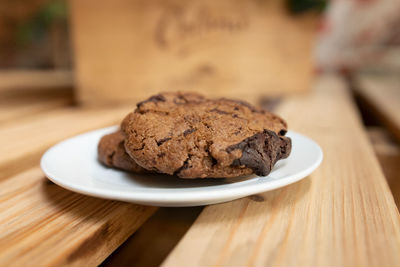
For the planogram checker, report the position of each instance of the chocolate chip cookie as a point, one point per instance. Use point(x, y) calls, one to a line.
point(191, 136)
point(111, 152)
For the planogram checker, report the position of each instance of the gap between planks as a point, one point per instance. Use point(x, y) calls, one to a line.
point(341, 215)
point(381, 95)
point(388, 153)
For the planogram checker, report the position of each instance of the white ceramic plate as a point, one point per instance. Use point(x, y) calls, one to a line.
point(73, 164)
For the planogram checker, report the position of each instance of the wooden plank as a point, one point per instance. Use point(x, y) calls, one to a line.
point(382, 95)
point(17, 79)
point(221, 48)
point(341, 215)
point(23, 93)
point(12, 111)
point(42, 224)
point(388, 152)
point(23, 141)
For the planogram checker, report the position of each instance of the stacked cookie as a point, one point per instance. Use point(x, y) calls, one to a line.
point(188, 135)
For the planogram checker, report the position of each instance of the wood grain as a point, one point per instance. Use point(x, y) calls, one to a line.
point(382, 95)
point(341, 215)
point(221, 48)
point(42, 224)
point(23, 141)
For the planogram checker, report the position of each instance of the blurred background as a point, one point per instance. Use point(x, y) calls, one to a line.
point(34, 35)
point(124, 50)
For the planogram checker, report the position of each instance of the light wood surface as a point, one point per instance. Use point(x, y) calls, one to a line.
point(23, 141)
point(222, 48)
point(42, 224)
point(382, 95)
point(15, 105)
point(10, 112)
point(341, 215)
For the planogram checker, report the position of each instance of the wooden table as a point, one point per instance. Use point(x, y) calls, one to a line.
point(343, 214)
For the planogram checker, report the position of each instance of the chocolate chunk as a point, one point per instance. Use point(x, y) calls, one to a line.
point(245, 104)
point(261, 151)
point(282, 132)
point(189, 131)
point(220, 111)
point(154, 99)
point(161, 141)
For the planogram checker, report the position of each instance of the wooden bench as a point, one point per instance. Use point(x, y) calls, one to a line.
point(341, 215)
point(382, 95)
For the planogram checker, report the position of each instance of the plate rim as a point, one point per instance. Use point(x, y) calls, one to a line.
point(181, 197)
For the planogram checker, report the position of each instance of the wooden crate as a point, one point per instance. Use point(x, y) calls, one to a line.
point(128, 49)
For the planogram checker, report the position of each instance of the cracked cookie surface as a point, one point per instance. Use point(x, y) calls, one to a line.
point(111, 152)
point(195, 137)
